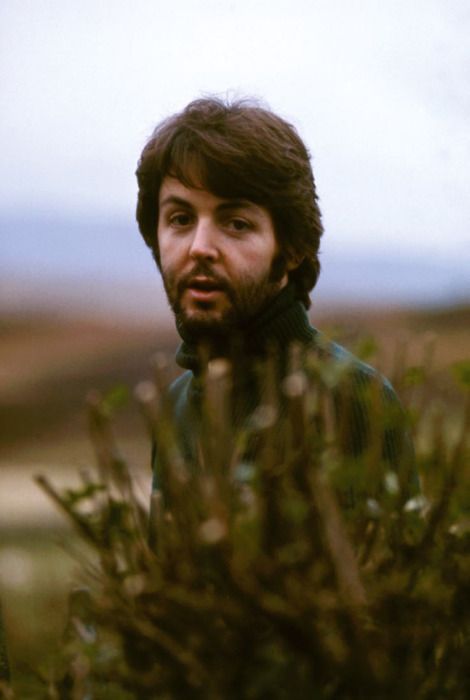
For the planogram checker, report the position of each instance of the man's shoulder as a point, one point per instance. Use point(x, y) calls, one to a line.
point(347, 364)
point(369, 402)
point(180, 394)
point(330, 354)
point(180, 385)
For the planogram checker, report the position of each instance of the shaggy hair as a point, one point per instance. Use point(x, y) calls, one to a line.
point(237, 150)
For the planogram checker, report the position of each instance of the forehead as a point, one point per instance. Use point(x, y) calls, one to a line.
point(172, 188)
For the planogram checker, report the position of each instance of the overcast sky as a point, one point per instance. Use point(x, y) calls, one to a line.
point(379, 90)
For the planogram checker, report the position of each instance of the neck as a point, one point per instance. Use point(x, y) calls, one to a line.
point(282, 322)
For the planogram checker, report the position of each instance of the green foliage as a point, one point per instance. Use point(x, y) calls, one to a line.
point(462, 373)
point(114, 399)
point(268, 579)
point(366, 348)
point(414, 376)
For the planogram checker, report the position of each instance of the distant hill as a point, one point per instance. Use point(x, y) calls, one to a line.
point(101, 266)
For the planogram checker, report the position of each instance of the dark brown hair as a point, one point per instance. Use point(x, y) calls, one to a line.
point(237, 150)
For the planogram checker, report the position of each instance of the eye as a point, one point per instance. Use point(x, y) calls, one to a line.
point(238, 225)
point(179, 219)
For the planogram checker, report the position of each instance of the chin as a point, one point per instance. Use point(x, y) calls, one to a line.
point(203, 323)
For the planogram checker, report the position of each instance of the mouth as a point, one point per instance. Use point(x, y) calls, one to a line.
point(204, 289)
point(207, 284)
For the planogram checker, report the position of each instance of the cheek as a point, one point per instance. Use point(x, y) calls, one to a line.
point(166, 251)
point(265, 253)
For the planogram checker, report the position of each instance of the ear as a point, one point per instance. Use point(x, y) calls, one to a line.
point(293, 261)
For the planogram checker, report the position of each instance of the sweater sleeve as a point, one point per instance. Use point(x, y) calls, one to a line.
point(375, 434)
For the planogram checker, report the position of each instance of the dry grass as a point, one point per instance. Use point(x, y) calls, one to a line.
point(48, 365)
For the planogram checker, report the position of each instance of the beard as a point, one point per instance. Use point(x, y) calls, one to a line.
point(243, 300)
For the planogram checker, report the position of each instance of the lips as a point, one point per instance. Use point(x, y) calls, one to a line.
point(204, 290)
point(205, 284)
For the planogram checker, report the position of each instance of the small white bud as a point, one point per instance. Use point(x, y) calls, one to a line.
point(218, 368)
point(373, 508)
point(418, 503)
point(212, 530)
point(392, 485)
point(145, 392)
point(264, 417)
point(295, 385)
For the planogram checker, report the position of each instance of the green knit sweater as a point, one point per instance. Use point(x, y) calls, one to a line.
point(281, 324)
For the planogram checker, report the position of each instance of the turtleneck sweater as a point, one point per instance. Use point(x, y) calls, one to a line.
point(282, 323)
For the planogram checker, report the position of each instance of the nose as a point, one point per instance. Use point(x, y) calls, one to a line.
point(204, 242)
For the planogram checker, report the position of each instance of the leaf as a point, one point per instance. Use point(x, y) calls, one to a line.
point(414, 375)
point(115, 399)
point(366, 348)
point(461, 372)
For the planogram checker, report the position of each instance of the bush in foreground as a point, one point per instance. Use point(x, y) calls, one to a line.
point(253, 580)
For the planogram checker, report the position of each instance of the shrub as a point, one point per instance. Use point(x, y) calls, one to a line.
point(252, 580)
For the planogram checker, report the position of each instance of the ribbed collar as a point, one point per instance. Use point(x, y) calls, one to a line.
point(283, 321)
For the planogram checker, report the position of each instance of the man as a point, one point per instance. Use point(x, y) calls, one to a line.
point(227, 204)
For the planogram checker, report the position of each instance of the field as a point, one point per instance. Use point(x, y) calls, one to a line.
point(47, 367)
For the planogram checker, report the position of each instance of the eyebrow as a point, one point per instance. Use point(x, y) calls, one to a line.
point(237, 204)
point(223, 206)
point(172, 199)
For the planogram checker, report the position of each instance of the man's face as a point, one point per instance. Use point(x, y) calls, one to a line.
point(217, 257)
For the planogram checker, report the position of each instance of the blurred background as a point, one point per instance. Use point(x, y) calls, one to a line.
point(378, 91)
